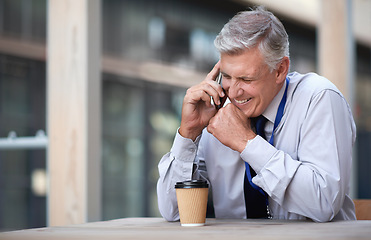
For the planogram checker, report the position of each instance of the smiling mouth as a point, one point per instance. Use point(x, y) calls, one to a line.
point(242, 101)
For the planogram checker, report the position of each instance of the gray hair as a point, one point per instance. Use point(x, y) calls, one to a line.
point(249, 29)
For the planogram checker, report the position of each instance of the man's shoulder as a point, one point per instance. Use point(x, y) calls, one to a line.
point(310, 84)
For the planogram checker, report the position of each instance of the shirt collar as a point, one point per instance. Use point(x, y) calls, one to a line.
point(271, 111)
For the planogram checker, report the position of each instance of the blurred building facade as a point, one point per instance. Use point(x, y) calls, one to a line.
point(151, 52)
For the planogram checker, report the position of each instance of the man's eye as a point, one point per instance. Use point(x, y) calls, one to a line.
point(246, 80)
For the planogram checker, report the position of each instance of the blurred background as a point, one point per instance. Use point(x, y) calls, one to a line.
point(152, 51)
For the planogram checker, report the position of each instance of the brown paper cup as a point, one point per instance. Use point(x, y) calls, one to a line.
point(192, 202)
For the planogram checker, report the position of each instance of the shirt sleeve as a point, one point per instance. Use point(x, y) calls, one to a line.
point(175, 166)
point(315, 183)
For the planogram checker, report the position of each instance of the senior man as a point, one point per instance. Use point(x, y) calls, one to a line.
point(280, 147)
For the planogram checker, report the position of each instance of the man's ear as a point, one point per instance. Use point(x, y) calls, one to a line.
point(282, 70)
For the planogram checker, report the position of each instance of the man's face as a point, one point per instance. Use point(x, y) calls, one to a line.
point(248, 82)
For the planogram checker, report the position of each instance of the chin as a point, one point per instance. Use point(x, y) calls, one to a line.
point(251, 114)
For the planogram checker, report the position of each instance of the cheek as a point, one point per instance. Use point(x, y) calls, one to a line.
point(252, 91)
point(264, 98)
point(261, 96)
point(258, 96)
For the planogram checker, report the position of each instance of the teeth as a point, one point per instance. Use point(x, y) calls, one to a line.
point(242, 101)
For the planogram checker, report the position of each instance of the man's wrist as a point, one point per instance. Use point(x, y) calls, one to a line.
point(250, 141)
point(189, 134)
point(245, 142)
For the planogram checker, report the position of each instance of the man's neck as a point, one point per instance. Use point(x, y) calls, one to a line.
point(271, 111)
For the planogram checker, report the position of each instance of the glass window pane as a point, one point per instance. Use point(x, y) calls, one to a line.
point(139, 121)
point(22, 172)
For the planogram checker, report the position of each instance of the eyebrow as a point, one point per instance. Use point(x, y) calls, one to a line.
point(240, 77)
point(224, 74)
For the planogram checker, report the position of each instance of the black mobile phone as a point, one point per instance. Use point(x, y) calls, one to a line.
point(222, 99)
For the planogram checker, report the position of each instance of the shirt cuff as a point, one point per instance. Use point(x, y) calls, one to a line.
point(257, 153)
point(184, 148)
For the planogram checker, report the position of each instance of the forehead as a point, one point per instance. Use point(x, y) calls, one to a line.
point(248, 63)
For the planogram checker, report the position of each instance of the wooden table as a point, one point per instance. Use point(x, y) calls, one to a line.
point(157, 228)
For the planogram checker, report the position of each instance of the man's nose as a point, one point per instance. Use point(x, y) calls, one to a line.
point(234, 89)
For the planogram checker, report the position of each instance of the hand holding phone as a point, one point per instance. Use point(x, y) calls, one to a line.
point(199, 105)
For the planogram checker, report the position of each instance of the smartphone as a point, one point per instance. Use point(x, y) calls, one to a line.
point(222, 99)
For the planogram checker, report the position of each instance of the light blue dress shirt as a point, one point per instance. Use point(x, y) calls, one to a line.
point(306, 174)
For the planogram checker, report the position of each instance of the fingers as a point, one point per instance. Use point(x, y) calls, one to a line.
point(231, 127)
point(214, 90)
point(207, 89)
point(234, 114)
point(200, 93)
point(213, 74)
point(211, 79)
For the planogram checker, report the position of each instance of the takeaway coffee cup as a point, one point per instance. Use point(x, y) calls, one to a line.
point(192, 202)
